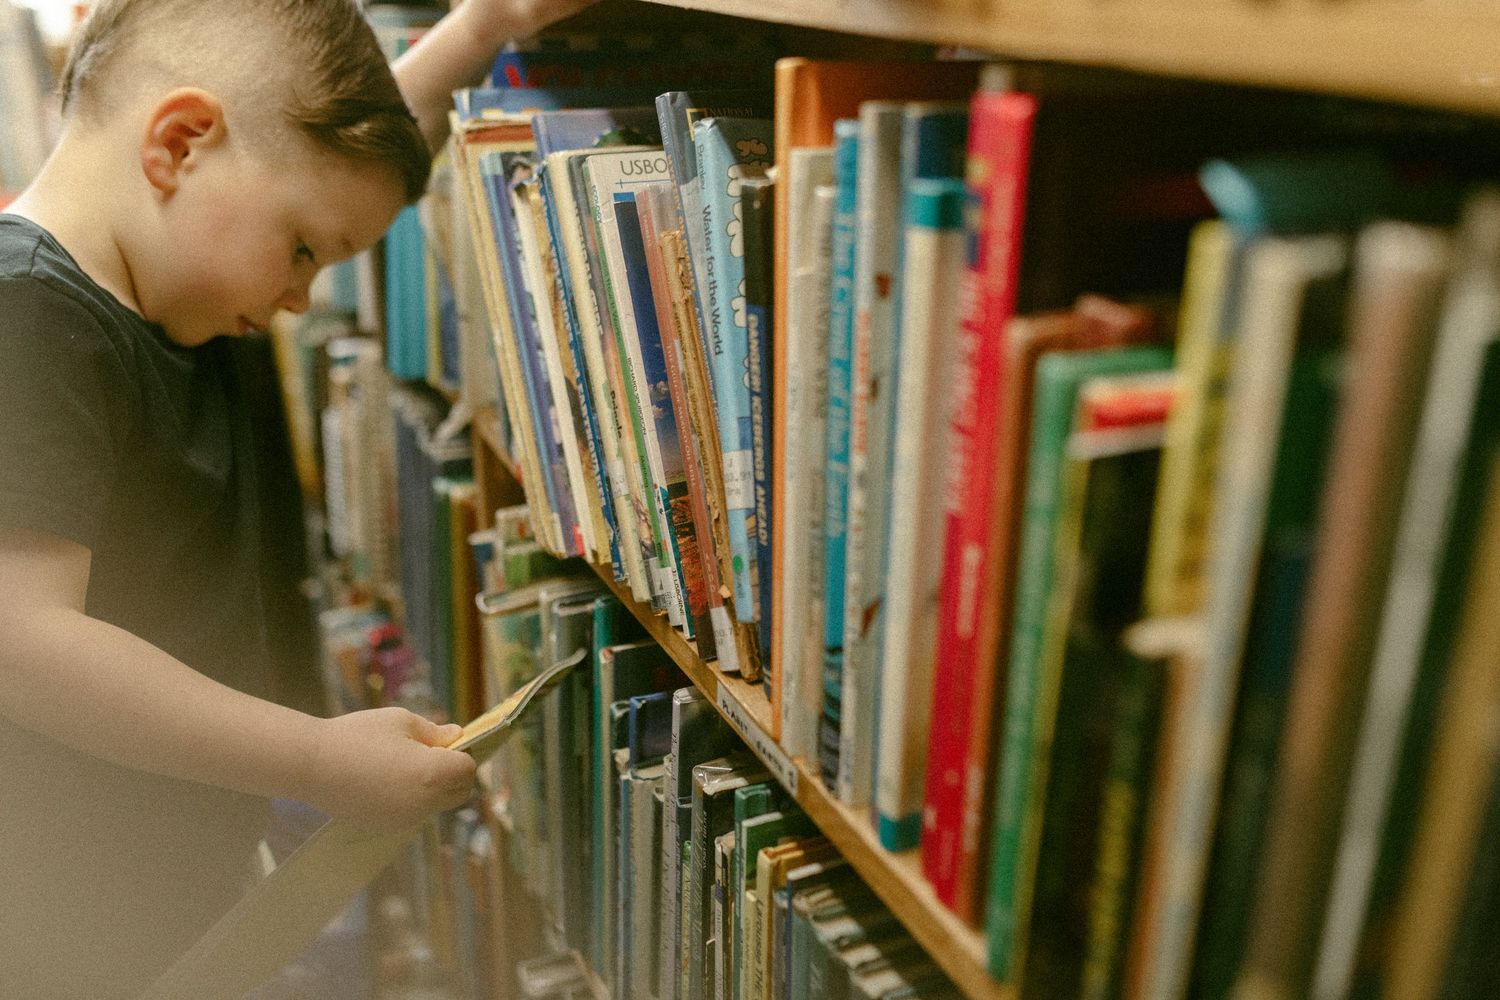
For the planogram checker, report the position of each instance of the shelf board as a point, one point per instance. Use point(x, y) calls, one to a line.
point(1439, 55)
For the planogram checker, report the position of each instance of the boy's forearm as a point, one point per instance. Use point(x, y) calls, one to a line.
point(459, 49)
point(113, 695)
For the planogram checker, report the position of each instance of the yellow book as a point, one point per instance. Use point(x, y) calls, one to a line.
point(1174, 576)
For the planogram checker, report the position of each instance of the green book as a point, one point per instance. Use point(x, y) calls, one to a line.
point(1031, 693)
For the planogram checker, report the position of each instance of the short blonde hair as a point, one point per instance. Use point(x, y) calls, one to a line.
point(336, 86)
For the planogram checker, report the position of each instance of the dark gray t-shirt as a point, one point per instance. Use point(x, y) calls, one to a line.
point(116, 438)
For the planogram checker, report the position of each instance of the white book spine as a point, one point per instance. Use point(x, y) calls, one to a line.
point(562, 415)
point(798, 611)
point(930, 313)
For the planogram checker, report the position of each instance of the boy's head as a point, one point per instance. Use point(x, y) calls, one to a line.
point(271, 139)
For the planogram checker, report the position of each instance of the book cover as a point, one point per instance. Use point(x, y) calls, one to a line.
point(728, 150)
point(656, 204)
point(1058, 377)
point(714, 785)
point(1108, 492)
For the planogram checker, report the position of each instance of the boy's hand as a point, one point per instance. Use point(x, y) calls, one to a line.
point(385, 769)
point(495, 22)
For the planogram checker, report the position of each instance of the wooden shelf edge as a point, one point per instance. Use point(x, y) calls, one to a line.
point(896, 878)
point(1439, 57)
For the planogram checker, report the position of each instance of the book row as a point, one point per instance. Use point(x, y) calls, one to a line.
point(1168, 661)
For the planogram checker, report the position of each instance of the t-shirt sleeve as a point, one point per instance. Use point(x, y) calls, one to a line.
point(64, 406)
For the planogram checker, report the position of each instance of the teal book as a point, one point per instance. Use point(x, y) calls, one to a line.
point(714, 786)
point(1018, 794)
point(840, 334)
point(730, 149)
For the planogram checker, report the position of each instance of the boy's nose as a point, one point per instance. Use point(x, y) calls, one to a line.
point(295, 299)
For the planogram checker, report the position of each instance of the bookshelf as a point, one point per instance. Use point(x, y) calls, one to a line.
point(897, 878)
point(1434, 55)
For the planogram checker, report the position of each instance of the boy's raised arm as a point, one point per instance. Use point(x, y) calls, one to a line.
point(459, 48)
point(109, 694)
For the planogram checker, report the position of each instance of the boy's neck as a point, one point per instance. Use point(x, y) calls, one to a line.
point(74, 197)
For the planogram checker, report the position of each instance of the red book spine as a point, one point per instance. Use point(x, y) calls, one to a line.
point(999, 156)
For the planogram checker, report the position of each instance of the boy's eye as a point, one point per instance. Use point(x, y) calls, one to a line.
point(304, 252)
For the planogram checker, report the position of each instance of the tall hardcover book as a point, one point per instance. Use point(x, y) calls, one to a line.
point(1397, 280)
point(1066, 432)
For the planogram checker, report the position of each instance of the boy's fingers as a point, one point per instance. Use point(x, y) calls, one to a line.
point(432, 734)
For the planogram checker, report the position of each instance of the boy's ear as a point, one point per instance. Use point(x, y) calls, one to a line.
point(184, 125)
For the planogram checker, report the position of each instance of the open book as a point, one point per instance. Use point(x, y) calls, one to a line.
point(278, 918)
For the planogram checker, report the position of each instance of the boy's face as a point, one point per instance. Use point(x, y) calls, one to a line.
point(247, 231)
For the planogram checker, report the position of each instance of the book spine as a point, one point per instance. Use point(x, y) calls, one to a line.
point(798, 541)
point(968, 676)
point(1057, 380)
point(839, 333)
point(575, 360)
point(933, 251)
point(756, 198)
point(543, 270)
point(729, 149)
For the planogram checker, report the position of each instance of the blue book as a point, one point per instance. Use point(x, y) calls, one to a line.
point(502, 173)
point(730, 149)
point(840, 335)
point(676, 112)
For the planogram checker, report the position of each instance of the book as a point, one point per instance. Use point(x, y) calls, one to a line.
point(933, 248)
point(1469, 323)
point(798, 479)
point(1461, 778)
point(757, 211)
point(698, 561)
point(1281, 298)
point(1397, 275)
point(1312, 386)
point(275, 921)
point(714, 785)
point(1030, 690)
point(612, 179)
point(810, 96)
point(729, 149)
point(839, 332)
point(878, 222)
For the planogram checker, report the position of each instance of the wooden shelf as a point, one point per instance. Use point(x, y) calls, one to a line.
point(1440, 54)
point(896, 878)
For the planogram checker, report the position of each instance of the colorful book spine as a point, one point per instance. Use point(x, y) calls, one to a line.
point(933, 252)
point(872, 366)
point(967, 671)
point(1017, 796)
point(757, 202)
point(840, 334)
point(728, 150)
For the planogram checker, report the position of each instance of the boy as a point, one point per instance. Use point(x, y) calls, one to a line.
point(215, 154)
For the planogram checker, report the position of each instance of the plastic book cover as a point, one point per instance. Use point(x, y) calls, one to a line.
point(757, 208)
point(728, 150)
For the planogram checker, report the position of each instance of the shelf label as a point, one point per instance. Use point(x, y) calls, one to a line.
point(779, 764)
